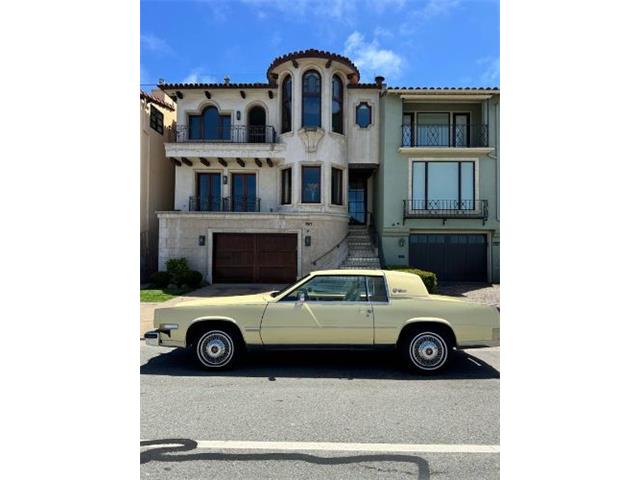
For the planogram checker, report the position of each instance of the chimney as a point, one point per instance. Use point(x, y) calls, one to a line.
point(379, 80)
point(226, 79)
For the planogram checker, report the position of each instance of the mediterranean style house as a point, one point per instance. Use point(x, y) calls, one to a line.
point(157, 116)
point(265, 171)
point(314, 169)
point(438, 186)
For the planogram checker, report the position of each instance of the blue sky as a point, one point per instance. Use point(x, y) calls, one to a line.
point(410, 42)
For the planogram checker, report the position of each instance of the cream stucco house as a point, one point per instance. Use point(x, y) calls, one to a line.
point(157, 118)
point(269, 176)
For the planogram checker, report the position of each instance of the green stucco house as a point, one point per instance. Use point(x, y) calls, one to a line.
point(438, 185)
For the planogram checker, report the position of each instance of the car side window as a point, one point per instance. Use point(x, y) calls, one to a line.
point(332, 288)
point(377, 289)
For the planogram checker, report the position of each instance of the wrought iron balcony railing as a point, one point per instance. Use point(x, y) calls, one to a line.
point(464, 136)
point(225, 134)
point(226, 204)
point(445, 209)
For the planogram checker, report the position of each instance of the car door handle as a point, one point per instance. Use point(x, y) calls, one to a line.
point(366, 311)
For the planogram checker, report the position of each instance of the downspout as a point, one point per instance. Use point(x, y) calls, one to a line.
point(496, 157)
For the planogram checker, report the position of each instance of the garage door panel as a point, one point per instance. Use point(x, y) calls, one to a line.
point(255, 257)
point(453, 257)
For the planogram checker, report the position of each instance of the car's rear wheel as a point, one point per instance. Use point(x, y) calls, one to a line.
point(217, 348)
point(426, 350)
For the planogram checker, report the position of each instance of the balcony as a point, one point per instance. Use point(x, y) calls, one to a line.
point(445, 136)
point(227, 134)
point(446, 209)
point(225, 204)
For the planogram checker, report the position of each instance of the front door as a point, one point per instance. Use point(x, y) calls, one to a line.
point(336, 311)
point(357, 199)
point(243, 192)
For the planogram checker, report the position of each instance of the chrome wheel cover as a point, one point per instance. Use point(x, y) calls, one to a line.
point(428, 351)
point(215, 349)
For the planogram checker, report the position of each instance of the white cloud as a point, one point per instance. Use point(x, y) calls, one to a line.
point(439, 7)
point(370, 58)
point(155, 44)
point(380, 6)
point(339, 10)
point(491, 73)
point(196, 76)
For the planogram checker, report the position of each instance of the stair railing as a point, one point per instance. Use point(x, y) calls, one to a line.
point(330, 250)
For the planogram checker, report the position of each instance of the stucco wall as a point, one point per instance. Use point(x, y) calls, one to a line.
point(156, 180)
point(179, 234)
point(394, 183)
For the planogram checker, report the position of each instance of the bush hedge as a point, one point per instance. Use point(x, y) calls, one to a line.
point(161, 279)
point(177, 274)
point(429, 279)
point(190, 277)
point(177, 265)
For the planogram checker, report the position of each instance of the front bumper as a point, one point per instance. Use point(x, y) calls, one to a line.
point(152, 338)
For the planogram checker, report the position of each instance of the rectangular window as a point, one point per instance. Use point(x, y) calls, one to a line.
point(332, 288)
point(336, 186)
point(443, 186)
point(156, 120)
point(377, 290)
point(311, 185)
point(285, 197)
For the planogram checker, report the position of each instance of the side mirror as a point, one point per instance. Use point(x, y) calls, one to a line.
point(302, 296)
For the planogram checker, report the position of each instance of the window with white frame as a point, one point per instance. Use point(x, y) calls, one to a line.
point(443, 185)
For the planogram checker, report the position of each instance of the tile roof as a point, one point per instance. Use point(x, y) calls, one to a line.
point(492, 89)
point(186, 86)
point(313, 53)
point(150, 98)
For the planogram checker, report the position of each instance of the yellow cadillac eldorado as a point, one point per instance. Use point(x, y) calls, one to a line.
point(330, 309)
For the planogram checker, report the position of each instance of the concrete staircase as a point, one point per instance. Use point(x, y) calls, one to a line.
point(362, 253)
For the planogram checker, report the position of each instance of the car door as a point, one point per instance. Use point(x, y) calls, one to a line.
point(335, 311)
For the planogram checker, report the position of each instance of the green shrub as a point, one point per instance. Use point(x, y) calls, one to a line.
point(161, 279)
point(429, 279)
point(190, 278)
point(177, 265)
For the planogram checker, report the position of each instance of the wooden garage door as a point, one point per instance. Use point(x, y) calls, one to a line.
point(254, 257)
point(453, 257)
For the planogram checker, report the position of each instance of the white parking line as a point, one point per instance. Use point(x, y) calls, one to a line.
point(347, 447)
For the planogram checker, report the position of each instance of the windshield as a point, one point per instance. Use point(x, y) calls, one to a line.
point(276, 293)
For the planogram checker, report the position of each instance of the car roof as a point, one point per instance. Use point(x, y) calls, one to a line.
point(350, 271)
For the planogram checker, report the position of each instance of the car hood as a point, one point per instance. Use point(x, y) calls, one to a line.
point(258, 298)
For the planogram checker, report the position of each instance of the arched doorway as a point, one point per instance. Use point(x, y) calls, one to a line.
point(256, 131)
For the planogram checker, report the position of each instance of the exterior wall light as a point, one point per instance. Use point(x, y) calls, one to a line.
point(224, 179)
point(237, 114)
point(401, 242)
point(307, 241)
point(201, 240)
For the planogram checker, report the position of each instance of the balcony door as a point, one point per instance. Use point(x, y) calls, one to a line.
point(461, 129)
point(433, 130)
point(257, 125)
point(243, 192)
point(209, 193)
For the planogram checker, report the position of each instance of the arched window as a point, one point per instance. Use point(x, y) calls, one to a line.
point(209, 125)
point(286, 104)
point(336, 104)
point(311, 99)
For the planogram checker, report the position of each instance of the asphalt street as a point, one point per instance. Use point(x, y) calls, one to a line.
point(339, 399)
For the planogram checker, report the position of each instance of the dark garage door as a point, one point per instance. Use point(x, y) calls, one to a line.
point(453, 257)
point(254, 257)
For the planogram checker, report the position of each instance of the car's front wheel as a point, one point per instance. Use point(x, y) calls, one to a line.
point(217, 348)
point(426, 350)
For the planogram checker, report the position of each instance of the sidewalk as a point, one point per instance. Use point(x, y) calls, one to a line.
point(218, 290)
